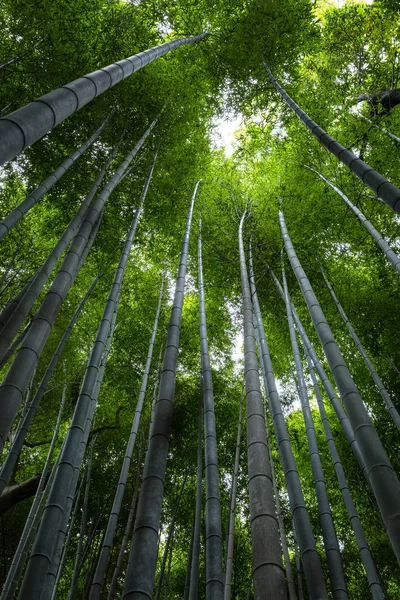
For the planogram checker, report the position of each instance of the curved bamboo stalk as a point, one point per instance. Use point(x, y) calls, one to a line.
point(391, 256)
point(143, 555)
point(309, 555)
point(382, 477)
point(388, 192)
point(331, 544)
point(16, 380)
point(28, 124)
point(268, 572)
point(15, 216)
point(214, 577)
point(56, 508)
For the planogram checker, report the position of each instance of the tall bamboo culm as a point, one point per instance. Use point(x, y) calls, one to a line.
point(382, 477)
point(388, 192)
point(28, 124)
point(232, 511)
point(143, 556)
point(331, 544)
point(268, 572)
point(282, 533)
point(214, 577)
point(309, 555)
point(107, 542)
point(20, 211)
point(378, 381)
point(72, 455)
point(17, 378)
point(365, 552)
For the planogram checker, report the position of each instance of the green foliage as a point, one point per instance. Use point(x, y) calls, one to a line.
point(325, 58)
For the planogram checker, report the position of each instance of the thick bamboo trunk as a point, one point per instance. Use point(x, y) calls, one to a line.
point(16, 380)
point(378, 381)
point(381, 475)
point(28, 124)
point(195, 560)
point(17, 444)
point(388, 192)
point(331, 544)
point(390, 255)
point(309, 555)
point(282, 533)
point(232, 511)
point(214, 576)
point(268, 572)
point(20, 211)
point(143, 556)
point(56, 509)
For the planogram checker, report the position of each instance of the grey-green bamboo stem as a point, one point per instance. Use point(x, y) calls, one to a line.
point(282, 533)
point(365, 552)
point(195, 562)
point(12, 60)
point(382, 477)
point(20, 211)
point(52, 573)
point(22, 306)
point(309, 555)
point(16, 447)
point(107, 542)
point(72, 454)
point(338, 408)
point(232, 511)
point(16, 380)
point(388, 192)
point(36, 283)
point(23, 127)
point(391, 256)
point(268, 572)
point(127, 530)
point(378, 381)
point(214, 576)
point(143, 556)
point(331, 544)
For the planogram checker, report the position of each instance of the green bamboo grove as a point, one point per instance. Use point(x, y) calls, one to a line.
point(199, 282)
